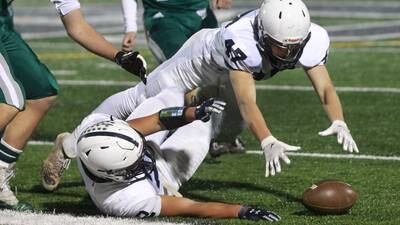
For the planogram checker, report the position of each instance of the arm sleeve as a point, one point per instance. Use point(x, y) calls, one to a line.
point(129, 11)
point(65, 6)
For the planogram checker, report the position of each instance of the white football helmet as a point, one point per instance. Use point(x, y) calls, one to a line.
point(283, 31)
point(112, 150)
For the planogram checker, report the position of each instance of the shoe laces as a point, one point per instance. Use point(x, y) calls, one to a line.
point(8, 174)
point(64, 164)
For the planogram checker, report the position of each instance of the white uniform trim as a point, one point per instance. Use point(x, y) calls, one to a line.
point(10, 88)
point(66, 6)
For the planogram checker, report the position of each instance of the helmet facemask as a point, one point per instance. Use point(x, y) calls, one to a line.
point(282, 30)
point(282, 56)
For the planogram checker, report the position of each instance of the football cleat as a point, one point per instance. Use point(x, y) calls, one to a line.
point(55, 165)
point(219, 148)
point(7, 198)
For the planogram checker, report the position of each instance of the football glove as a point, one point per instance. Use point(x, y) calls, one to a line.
point(343, 135)
point(275, 150)
point(209, 106)
point(251, 213)
point(132, 62)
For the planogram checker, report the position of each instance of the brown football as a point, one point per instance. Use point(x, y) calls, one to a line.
point(329, 197)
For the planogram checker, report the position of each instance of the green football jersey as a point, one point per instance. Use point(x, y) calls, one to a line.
point(4, 4)
point(176, 5)
point(6, 13)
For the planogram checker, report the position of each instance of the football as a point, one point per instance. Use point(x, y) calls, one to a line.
point(329, 197)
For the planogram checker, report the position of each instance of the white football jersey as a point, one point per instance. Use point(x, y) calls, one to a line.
point(138, 199)
point(209, 55)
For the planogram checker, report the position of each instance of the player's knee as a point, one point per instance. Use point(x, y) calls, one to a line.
point(42, 104)
point(7, 113)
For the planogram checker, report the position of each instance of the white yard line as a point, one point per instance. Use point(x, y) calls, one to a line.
point(64, 72)
point(259, 87)
point(316, 154)
point(18, 218)
point(334, 156)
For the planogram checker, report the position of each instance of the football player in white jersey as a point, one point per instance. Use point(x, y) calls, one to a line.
point(85, 35)
point(128, 176)
point(255, 46)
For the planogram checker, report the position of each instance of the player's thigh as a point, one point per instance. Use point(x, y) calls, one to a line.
point(170, 32)
point(35, 77)
point(166, 36)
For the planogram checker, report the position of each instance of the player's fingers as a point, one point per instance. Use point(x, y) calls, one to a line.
point(219, 102)
point(351, 146)
point(275, 217)
point(346, 144)
point(292, 148)
point(355, 147)
point(277, 165)
point(267, 169)
point(285, 158)
point(218, 108)
point(271, 168)
point(340, 138)
point(326, 132)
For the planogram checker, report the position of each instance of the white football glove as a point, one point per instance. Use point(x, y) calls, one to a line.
point(275, 150)
point(344, 137)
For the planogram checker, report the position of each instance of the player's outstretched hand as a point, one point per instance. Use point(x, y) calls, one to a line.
point(251, 213)
point(344, 137)
point(275, 150)
point(208, 107)
point(132, 62)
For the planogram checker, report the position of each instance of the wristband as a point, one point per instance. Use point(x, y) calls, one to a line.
point(172, 118)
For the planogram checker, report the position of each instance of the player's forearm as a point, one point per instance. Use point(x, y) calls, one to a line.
point(245, 93)
point(215, 210)
point(332, 105)
point(254, 119)
point(153, 123)
point(173, 206)
point(81, 32)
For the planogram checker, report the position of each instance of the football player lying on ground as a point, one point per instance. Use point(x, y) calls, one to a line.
point(125, 175)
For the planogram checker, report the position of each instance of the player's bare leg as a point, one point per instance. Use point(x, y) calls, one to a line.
point(18, 127)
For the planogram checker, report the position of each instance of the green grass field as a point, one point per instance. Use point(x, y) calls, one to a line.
point(372, 117)
point(293, 116)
